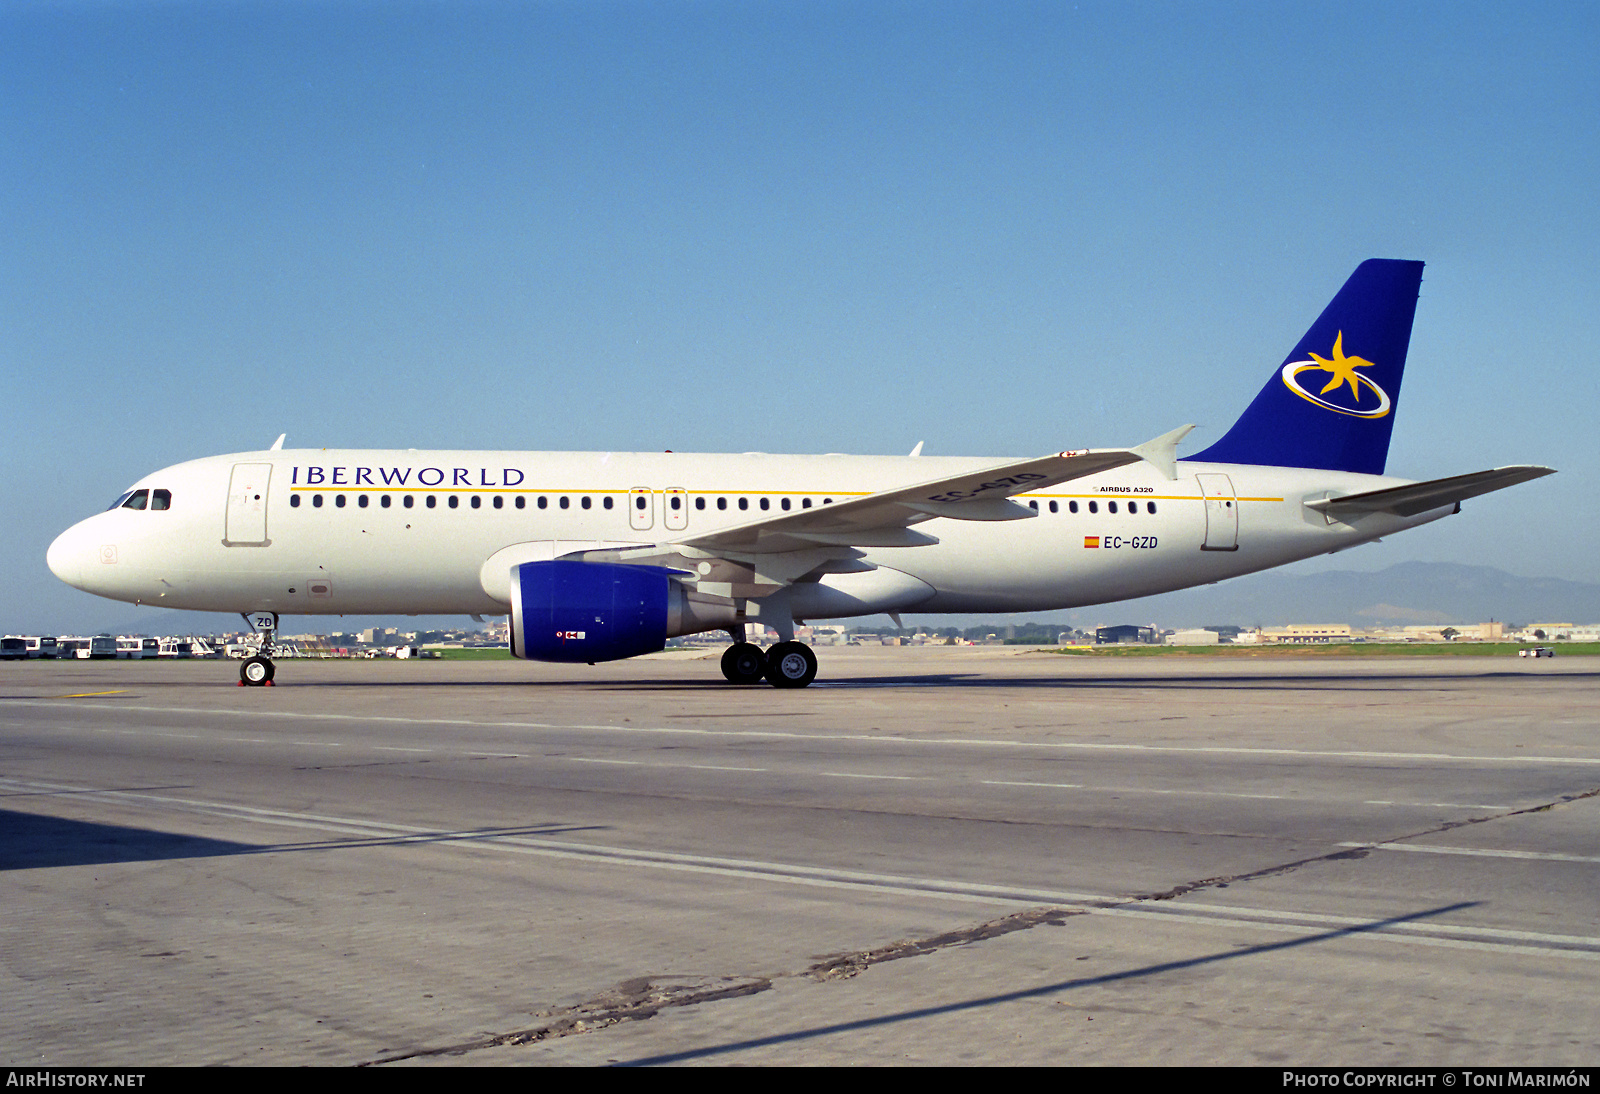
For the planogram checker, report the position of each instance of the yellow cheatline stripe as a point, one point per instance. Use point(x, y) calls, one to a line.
point(553, 490)
point(1139, 497)
point(90, 694)
point(706, 493)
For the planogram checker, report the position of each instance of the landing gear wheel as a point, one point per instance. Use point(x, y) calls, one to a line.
point(255, 672)
point(791, 665)
point(743, 663)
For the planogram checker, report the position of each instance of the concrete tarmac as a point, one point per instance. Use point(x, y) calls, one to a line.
point(933, 855)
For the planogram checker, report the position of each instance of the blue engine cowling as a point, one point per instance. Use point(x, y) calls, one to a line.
point(587, 611)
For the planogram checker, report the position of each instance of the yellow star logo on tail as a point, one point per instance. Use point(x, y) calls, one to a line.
point(1343, 369)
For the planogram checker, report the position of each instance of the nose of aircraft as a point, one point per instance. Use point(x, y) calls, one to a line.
point(68, 554)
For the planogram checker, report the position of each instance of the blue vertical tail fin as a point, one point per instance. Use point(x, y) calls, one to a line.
point(1331, 404)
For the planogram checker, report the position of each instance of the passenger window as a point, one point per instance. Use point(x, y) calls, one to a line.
point(499, 502)
point(316, 501)
point(1034, 506)
point(432, 502)
point(1094, 507)
point(744, 503)
point(784, 505)
point(294, 501)
point(586, 501)
point(477, 501)
point(722, 503)
point(1111, 507)
point(338, 501)
point(676, 503)
point(606, 503)
point(1072, 507)
point(522, 502)
point(765, 503)
point(699, 503)
point(137, 500)
point(805, 503)
point(640, 502)
point(362, 501)
point(565, 501)
point(454, 501)
point(1150, 507)
point(1054, 507)
point(408, 501)
point(384, 501)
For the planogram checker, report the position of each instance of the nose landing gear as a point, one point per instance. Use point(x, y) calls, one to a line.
point(257, 671)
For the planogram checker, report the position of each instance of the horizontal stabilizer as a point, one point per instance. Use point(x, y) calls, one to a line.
point(1419, 497)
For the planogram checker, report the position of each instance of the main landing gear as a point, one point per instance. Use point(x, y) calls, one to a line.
point(257, 671)
point(786, 665)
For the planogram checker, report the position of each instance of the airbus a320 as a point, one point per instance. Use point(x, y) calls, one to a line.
point(601, 556)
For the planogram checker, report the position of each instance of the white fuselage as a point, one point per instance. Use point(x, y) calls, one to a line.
point(407, 532)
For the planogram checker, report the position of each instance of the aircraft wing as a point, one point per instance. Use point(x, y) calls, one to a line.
point(1419, 497)
point(884, 519)
point(762, 556)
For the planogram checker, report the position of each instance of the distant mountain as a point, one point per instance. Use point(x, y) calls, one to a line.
point(1407, 593)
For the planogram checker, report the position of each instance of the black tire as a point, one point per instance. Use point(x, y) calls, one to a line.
point(743, 663)
point(791, 665)
point(256, 672)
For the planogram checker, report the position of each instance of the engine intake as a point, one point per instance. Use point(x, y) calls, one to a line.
point(603, 611)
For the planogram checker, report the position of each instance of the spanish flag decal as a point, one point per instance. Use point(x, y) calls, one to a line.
point(1091, 541)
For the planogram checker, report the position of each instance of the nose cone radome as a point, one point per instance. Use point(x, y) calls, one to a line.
point(68, 555)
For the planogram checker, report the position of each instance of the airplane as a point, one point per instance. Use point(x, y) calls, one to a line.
point(603, 556)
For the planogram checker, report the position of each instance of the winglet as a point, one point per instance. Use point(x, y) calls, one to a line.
point(917, 451)
point(1162, 452)
point(277, 445)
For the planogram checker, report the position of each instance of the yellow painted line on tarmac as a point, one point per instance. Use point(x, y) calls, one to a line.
point(91, 694)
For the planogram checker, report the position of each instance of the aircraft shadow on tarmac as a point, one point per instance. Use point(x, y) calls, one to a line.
point(1370, 681)
point(29, 841)
point(1367, 681)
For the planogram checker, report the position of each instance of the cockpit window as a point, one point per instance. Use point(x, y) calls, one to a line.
point(142, 499)
point(122, 497)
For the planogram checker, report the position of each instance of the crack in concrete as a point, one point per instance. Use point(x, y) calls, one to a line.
point(845, 965)
point(630, 1001)
point(645, 997)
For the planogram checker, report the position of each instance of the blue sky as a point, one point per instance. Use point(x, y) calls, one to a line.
point(1004, 229)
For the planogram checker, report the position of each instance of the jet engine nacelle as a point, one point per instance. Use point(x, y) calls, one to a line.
point(603, 611)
